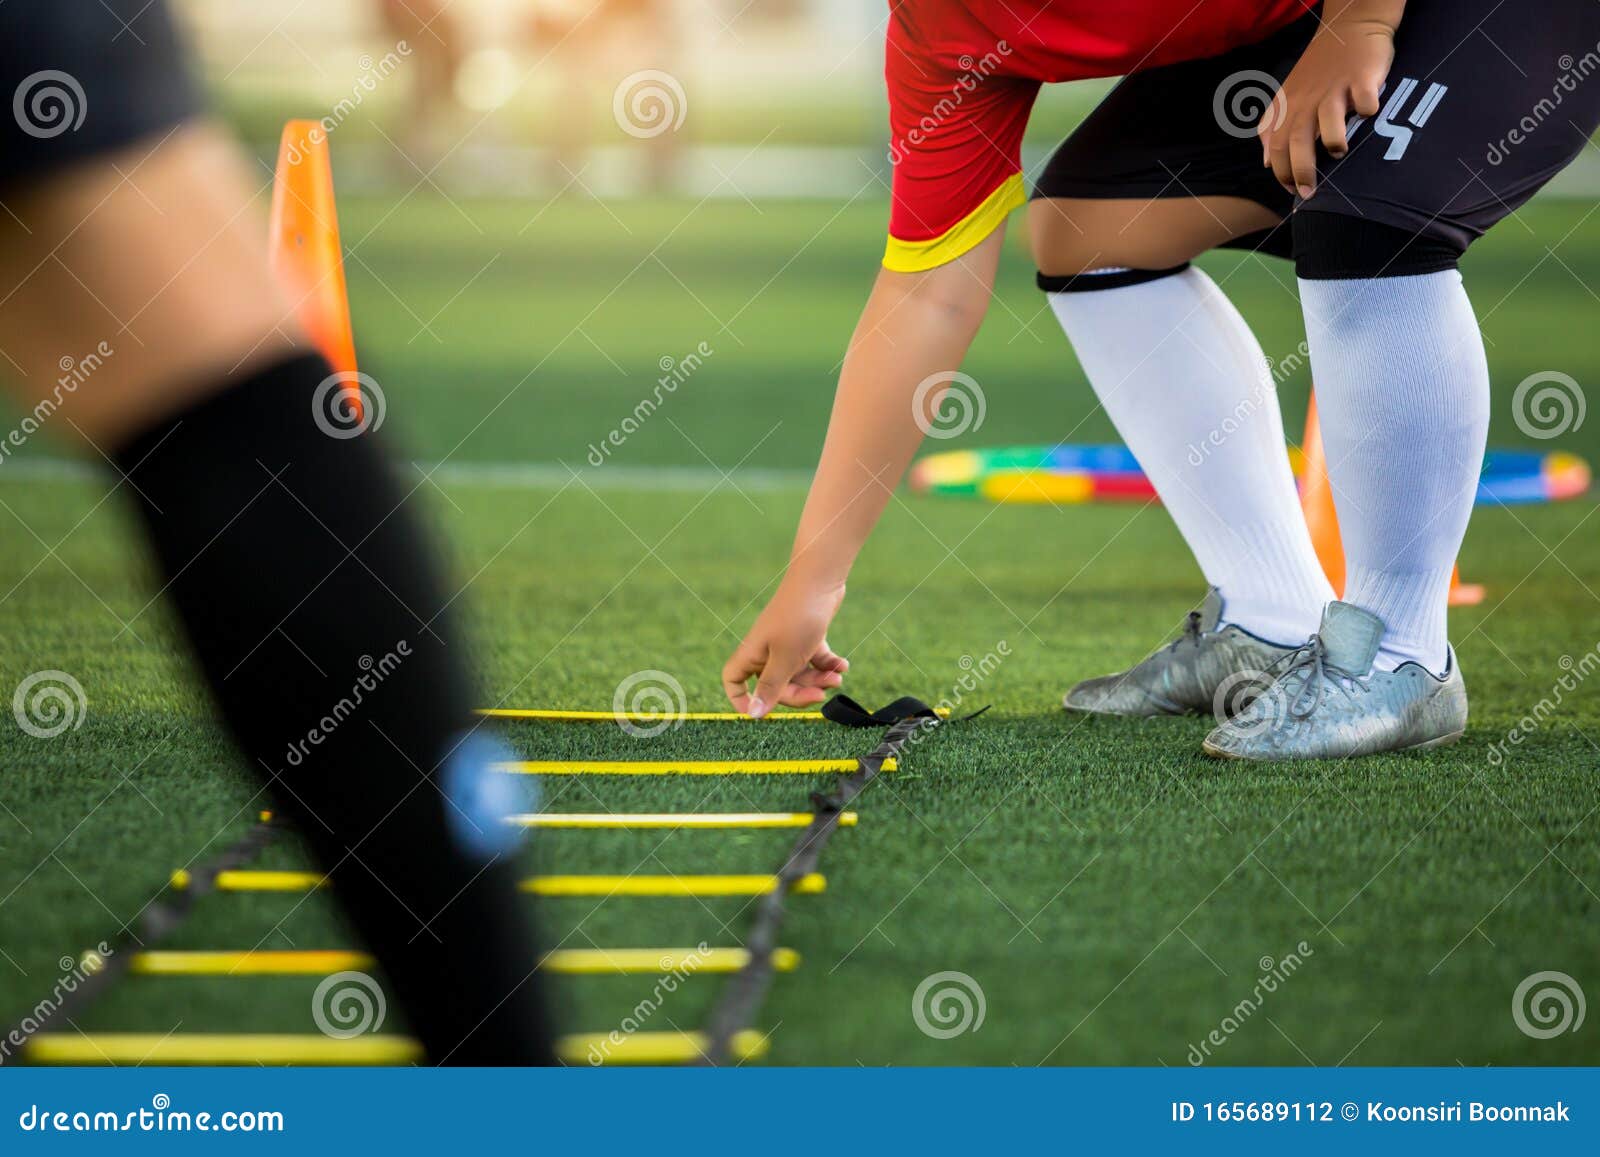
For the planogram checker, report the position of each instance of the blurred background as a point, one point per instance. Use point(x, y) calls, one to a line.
point(517, 95)
point(555, 198)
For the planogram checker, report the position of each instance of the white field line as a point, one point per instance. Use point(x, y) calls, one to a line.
point(497, 475)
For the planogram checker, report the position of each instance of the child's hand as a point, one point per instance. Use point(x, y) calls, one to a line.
point(1342, 71)
point(787, 651)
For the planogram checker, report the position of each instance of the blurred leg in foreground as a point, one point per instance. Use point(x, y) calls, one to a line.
point(131, 251)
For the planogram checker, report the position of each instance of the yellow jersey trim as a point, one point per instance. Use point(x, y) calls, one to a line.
point(962, 237)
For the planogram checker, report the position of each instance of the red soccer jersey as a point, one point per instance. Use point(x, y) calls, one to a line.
point(963, 75)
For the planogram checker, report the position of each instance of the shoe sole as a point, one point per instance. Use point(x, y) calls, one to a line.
point(1445, 740)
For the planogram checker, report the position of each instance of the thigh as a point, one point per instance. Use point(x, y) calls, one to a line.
point(1182, 131)
point(132, 269)
point(131, 283)
point(1483, 106)
point(1074, 235)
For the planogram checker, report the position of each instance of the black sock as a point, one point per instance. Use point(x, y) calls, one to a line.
point(317, 618)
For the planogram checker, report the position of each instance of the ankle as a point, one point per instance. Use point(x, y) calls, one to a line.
point(1275, 623)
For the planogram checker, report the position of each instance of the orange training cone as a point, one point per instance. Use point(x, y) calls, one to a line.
point(304, 241)
point(1316, 500)
point(1464, 594)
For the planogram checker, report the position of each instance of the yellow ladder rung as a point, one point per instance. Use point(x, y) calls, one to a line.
point(685, 766)
point(662, 820)
point(598, 886)
point(564, 961)
point(640, 1048)
point(668, 885)
point(647, 717)
point(672, 820)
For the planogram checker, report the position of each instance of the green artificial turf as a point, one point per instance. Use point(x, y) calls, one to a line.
point(1115, 895)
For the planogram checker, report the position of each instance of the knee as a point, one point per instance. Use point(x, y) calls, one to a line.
point(1069, 259)
point(1336, 247)
point(1062, 246)
point(1073, 236)
point(1069, 237)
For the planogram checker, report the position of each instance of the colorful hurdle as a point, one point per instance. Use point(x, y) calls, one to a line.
point(1070, 474)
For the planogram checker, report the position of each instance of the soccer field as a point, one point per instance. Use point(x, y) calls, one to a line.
point(1116, 897)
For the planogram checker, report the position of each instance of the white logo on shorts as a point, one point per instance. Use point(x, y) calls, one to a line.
point(1399, 135)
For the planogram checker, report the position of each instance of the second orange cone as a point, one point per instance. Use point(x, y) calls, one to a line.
point(1316, 500)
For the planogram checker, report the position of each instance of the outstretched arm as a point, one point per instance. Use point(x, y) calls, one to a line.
point(915, 325)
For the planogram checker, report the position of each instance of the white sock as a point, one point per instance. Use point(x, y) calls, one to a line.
point(1187, 386)
point(1403, 395)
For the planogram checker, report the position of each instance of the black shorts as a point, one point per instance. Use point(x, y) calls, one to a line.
point(85, 77)
point(1486, 101)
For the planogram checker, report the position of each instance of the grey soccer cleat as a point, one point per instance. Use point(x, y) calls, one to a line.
point(1188, 676)
point(1329, 702)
